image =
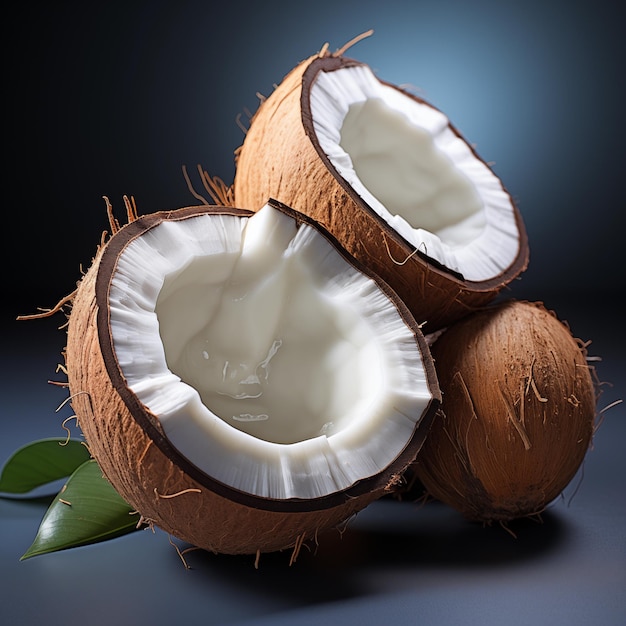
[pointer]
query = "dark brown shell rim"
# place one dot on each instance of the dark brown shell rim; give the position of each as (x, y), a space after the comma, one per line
(149, 423)
(332, 63)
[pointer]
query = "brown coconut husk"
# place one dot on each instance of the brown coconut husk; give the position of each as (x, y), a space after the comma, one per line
(517, 416)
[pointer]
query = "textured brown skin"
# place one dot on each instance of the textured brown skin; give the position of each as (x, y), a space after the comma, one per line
(281, 158)
(134, 455)
(502, 448)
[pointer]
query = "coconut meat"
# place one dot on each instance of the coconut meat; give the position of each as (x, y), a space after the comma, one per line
(271, 362)
(404, 160)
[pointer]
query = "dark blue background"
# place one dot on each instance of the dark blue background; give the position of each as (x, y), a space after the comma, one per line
(114, 98)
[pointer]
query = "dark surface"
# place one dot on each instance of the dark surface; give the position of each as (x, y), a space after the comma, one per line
(115, 99)
(396, 563)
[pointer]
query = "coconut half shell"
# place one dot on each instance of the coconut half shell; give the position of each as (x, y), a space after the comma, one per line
(392, 179)
(133, 408)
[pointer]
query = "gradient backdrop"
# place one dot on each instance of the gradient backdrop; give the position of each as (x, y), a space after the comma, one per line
(114, 98)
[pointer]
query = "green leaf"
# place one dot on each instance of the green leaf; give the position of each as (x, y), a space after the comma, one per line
(87, 510)
(41, 462)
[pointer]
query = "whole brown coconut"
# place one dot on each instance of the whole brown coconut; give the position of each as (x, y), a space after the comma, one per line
(174, 308)
(388, 175)
(517, 415)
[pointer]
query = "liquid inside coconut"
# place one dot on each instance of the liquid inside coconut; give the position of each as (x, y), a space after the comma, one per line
(266, 348)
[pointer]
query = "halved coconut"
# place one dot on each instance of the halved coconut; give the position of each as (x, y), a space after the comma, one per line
(243, 382)
(392, 179)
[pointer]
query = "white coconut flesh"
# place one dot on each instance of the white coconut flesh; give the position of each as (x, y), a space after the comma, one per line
(406, 162)
(272, 363)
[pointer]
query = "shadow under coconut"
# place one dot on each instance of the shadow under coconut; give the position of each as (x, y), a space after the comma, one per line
(432, 535)
(387, 535)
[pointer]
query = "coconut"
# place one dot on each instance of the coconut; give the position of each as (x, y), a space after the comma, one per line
(517, 414)
(391, 178)
(242, 382)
